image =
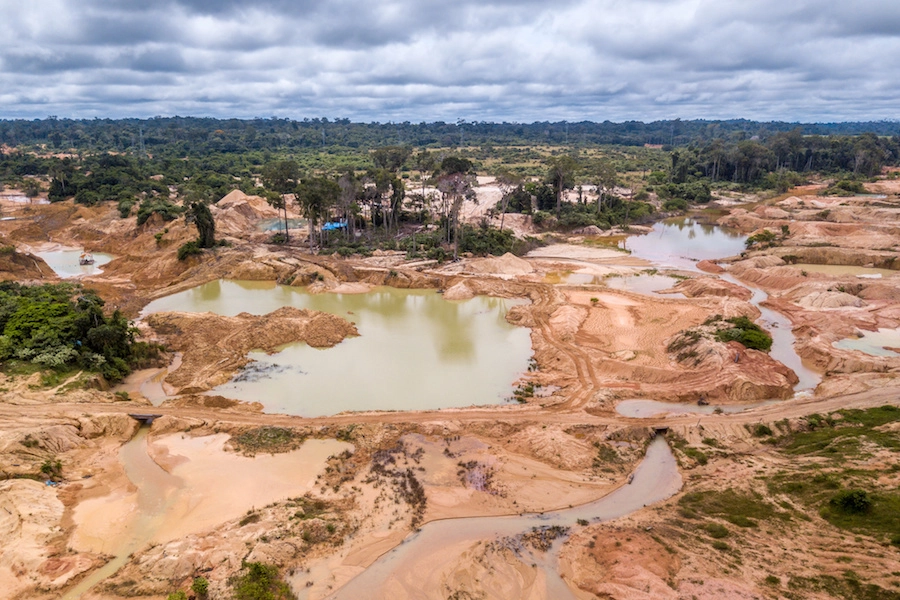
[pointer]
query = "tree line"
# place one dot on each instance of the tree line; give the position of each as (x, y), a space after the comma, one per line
(197, 136)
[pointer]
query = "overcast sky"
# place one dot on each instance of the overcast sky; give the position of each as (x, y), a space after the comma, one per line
(428, 60)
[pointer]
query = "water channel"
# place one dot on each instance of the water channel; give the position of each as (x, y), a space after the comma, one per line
(655, 479)
(682, 242)
(415, 350)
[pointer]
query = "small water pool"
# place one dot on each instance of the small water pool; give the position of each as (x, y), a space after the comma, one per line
(416, 351)
(681, 242)
(644, 284)
(641, 409)
(276, 225)
(64, 262)
(883, 342)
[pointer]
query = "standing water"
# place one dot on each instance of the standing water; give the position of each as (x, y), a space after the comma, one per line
(680, 243)
(65, 262)
(415, 351)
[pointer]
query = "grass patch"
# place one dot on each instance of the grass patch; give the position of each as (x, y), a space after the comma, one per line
(842, 438)
(846, 588)
(739, 508)
(272, 440)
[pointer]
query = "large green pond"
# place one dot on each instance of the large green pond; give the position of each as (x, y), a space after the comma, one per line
(415, 351)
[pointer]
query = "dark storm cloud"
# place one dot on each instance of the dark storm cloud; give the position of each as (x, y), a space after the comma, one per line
(430, 59)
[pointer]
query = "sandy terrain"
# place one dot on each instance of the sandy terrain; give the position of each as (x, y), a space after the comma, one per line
(324, 520)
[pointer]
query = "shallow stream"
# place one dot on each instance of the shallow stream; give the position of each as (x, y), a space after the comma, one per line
(655, 479)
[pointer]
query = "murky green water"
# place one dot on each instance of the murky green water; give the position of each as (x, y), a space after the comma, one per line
(65, 262)
(415, 351)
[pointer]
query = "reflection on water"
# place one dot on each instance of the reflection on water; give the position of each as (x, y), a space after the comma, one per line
(874, 343)
(65, 262)
(680, 243)
(415, 349)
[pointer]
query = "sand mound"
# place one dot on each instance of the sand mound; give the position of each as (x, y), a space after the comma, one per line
(621, 564)
(709, 267)
(459, 291)
(29, 521)
(770, 212)
(238, 213)
(508, 264)
(830, 300)
(215, 347)
(712, 286)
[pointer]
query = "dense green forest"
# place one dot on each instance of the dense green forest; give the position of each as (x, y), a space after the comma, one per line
(201, 136)
(63, 327)
(372, 179)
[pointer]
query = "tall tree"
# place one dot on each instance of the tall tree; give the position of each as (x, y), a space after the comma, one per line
(199, 214)
(282, 177)
(316, 195)
(603, 175)
(391, 158)
(561, 175)
(457, 183)
(508, 182)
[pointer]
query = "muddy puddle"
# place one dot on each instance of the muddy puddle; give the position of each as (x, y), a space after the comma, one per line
(415, 350)
(644, 283)
(192, 496)
(642, 409)
(409, 568)
(640, 283)
(682, 242)
(64, 262)
(863, 272)
(884, 342)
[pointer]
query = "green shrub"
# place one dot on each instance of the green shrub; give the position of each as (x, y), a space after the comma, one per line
(151, 206)
(852, 502)
(717, 531)
(187, 249)
(125, 207)
(200, 586)
(762, 430)
(259, 581)
(746, 333)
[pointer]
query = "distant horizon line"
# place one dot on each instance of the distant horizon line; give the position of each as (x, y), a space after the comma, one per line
(347, 120)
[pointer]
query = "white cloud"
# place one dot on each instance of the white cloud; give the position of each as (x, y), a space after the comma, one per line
(430, 59)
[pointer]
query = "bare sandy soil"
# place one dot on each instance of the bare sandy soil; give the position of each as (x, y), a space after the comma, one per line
(323, 515)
